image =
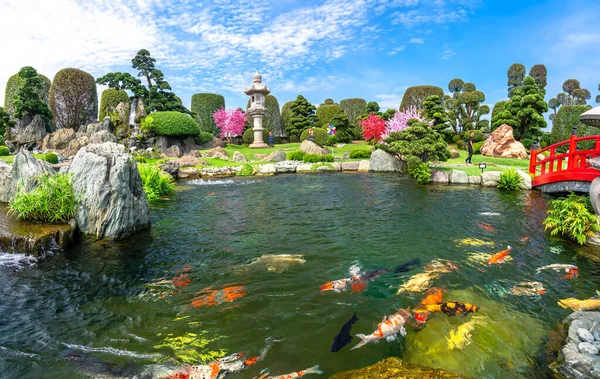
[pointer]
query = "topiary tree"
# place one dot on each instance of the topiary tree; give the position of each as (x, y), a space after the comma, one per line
(124, 81)
(465, 108)
(598, 96)
(301, 118)
(342, 126)
(27, 102)
(12, 89)
(499, 107)
(539, 73)
(328, 101)
(171, 123)
(515, 74)
(111, 98)
(418, 141)
(568, 117)
(272, 117)
(353, 108)
(319, 136)
(434, 111)
(554, 105)
(286, 112)
(73, 99)
(203, 107)
(326, 112)
(416, 95)
(6, 122)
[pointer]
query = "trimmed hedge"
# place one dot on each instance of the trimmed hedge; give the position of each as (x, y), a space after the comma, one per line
(296, 156)
(477, 147)
(170, 124)
(203, 138)
(326, 112)
(360, 154)
(4, 151)
(248, 136)
(203, 107)
(12, 89)
(319, 136)
(416, 95)
(286, 113)
(314, 158)
(111, 98)
(51, 158)
(73, 99)
(353, 108)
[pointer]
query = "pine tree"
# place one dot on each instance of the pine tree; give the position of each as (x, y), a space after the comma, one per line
(302, 116)
(28, 102)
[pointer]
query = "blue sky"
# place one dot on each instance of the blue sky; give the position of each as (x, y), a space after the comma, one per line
(337, 49)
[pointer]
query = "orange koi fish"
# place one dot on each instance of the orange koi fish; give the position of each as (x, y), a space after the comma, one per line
(453, 308)
(434, 297)
(524, 239)
(216, 297)
(499, 257)
(181, 281)
(297, 374)
(387, 328)
(486, 226)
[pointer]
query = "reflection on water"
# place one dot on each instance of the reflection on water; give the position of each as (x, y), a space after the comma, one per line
(131, 303)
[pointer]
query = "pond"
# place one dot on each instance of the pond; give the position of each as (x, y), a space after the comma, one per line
(119, 302)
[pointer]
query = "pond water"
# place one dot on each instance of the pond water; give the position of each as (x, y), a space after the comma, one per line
(116, 300)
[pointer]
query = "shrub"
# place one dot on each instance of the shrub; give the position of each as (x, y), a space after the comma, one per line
(12, 89)
(477, 136)
(203, 107)
(326, 113)
(170, 124)
(286, 113)
(477, 147)
(73, 99)
(331, 141)
(248, 136)
(566, 118)
(4, 151)
(111, 98)
(460, 144)
(456, 137)
(51, 158)
(314, 167)
(51, 201)
(155, 182)
(319, 136)
(527, 143)
(510, 180)
(139, 159)
(572, 217)
(314, 158)
(296, 155)
(353, 108)
(203, 137)
(2, 141)
(360, 154)
(416, 95)
(247, 170)
(420, 172)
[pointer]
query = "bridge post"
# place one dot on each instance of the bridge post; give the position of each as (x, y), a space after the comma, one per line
(572, 149)
(532, 160)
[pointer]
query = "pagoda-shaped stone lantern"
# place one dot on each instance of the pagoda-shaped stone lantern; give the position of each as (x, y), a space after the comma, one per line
(258, 93)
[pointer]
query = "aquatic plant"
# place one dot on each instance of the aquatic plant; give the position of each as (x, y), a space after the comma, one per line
(420, 172)
(246, 170)
(52, 200)
(191, 347)
(510, 180)
(572, 217)
(155, 182)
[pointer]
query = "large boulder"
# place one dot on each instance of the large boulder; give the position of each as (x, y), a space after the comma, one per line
(238, 157)
(386, 162)
(526, 180)
(95, 127)
(490, 178)
(102, 136)
(502, 144)
(458, 177)
(75, 145)
(214, 142)
(309, 147)
(24, 168)
(266, 170)
(59, 140)
(276, 156)
(217, 152)
(286, 167)
(439, 177)
(112, 203)
(350, 166)
(188, 161)
(123, 111)
(170, 146)
(364, 165)
(189, 145)
(170, 167)
(595, 195)
(34, 132)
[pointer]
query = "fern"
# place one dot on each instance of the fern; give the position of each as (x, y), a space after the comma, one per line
(572, 217)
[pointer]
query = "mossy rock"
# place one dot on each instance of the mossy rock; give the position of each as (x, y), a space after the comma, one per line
(396, 368)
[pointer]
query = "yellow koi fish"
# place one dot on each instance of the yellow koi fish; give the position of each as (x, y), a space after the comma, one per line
(580, 305)
(461, 338)
(474, 242)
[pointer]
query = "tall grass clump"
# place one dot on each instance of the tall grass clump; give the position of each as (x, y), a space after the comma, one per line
(53, 200)
(572, 217)
(156, 183)
(510, 180)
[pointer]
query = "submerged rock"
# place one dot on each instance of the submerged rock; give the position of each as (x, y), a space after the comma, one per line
(113, 203)
(395, 368)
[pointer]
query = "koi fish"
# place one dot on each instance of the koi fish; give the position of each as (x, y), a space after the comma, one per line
(216, 297)
(580, 305)
(499, 257)
(441, 265)
(453, 308)
(528, 288)
(434, 297)
(405, 267)
(297, 374)
(387, 328)
(489, 214)
(571, 270)
(486, 226)
(181, 281)
(419, 282)
(524, 239)
(343, 338)
(461, 338)
(357, 280)
(474, 242)
(339, 285)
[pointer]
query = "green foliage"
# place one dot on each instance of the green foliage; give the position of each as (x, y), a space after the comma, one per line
(123, 81)
(416, 95)
(170, 124)
(301, 118)
(360, 154)
(73, 99)
(28, 101)
(523, 111)
(572, 217)
(460, 144)
(203, 107)
(51, 158)
(477, 147)
(139, 159)
(203, 138)
(435, 111)
(510, 180)
(331, 141)
(272, 117)
(286, 113)
(247, 170)
(419, 140)
(343, 133)
(12, 89)
(313, 158)
(155, 182)
(248, 136)
(420, 172)
(566, 118)
(319, 136)
(465, 107)
(499, 107)
(53, 200)
(515, 74)
(314, 167)
(328, 101)
(6, 122)
(539, 73)
(477, 135)
(353, 108)
(326, 112)
(4, 151)
(296, 155)
(111, 97)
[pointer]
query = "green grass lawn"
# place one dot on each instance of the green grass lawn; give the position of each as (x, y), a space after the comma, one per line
(289, 147)
(493, 164)
(9, 158)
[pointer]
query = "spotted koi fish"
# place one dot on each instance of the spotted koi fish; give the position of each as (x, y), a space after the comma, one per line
(571, 270)
(580, 305)
(388, 328)
(434, 297)
(499, 257)
(528, 289)
(216, 297)
(453, 308)
(486, 226)
(297, 374)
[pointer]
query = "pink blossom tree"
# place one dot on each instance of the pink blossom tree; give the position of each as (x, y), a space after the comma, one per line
(230, 121)
(399, 122)
(373, 128)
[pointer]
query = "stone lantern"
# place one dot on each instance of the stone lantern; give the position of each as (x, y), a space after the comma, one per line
(591, 117)
(258, 93)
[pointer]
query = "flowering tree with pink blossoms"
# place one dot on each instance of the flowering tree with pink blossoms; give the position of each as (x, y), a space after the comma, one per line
(230, 121)
(373, 128)
(399, 122)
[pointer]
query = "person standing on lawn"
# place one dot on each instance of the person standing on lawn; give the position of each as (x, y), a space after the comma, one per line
(470, 147)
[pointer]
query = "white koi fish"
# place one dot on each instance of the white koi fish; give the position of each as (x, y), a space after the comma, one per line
(387, 328)
(292, 375)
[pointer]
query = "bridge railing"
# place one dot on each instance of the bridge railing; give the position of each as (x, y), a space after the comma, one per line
(569, 166)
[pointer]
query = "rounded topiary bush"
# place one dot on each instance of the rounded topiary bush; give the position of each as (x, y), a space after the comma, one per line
(477, 136)
(326, 113)
(174, 124)
(204, 137)
(296, 155)
(477, 147)
(203, 107)
(4, 151)
(460, 144)
(111, 98)
(319, 136)
(360, 154)
(73, 99)
(248, 136)
(51, 158)
(12, 89)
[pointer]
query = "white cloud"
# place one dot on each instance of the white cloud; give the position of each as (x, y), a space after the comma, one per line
(389, 100)
(416, 40)
(397, 50)
(448, 53)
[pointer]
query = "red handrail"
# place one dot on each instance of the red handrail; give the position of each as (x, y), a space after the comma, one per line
(569, 166)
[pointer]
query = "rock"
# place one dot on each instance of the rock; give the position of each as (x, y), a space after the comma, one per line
(303, 168)
(96, 127)
(189, 145)
(386, 162)
(350, 166)
(34, 132)
(195, 154)
(455, 154)
(170, 146)
(585, 335)
(11, 147)
(276, 156)
(217, 152)
(260, 156)
(458, 177)
(595, 195)
(174, 152)
(502, 144)
(140, 111)
(395, 368)
(24, 169)
(286, 167)
(65, 168)
(309, 147)
(113, 203)
(59, 140)
(596, 333)
(76, 145)
(188, 173)
(337, 166)
(218, 172)
(103, 136)
(188, 160)
(490, 178)
(439, 177)
(475, 179)
(526, 183)
(346, 155)
(239, 157)
(325, 168)
(6, 186)
(266, 169)
(214, 142)
(587, 348)
(364, 165)
(170, 167)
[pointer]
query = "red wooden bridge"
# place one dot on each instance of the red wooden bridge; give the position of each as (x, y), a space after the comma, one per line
(568, 171)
